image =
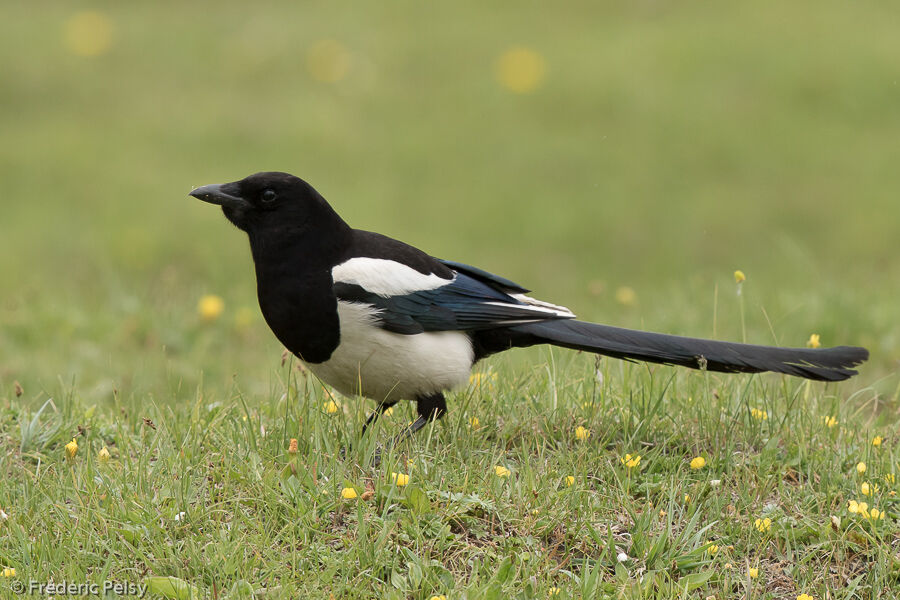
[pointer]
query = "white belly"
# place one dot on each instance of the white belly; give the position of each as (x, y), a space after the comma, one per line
(383, 365)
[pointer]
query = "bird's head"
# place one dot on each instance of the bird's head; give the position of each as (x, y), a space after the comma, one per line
(266, 203)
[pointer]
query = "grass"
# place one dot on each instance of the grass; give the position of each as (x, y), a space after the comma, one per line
(205, 490)
(666, 147)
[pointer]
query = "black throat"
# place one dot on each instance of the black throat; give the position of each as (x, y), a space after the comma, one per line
(294, 286)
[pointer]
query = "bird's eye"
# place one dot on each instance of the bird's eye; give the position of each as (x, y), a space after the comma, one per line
(268, 196)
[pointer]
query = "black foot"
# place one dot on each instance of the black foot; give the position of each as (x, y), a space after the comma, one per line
(375, 414)
(430, 408)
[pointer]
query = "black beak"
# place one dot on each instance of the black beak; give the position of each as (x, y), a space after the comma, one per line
(216, 194)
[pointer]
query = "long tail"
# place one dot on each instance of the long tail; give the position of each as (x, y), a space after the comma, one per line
(825, 364)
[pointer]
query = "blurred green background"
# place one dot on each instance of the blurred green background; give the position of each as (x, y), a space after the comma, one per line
(584, 150)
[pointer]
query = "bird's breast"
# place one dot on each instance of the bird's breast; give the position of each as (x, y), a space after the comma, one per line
(304, 320)
(382, 365)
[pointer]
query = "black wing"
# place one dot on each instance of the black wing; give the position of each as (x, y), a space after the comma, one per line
(466, 303)
(492, 280)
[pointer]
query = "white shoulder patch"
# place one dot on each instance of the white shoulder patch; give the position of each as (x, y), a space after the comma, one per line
(385, 277)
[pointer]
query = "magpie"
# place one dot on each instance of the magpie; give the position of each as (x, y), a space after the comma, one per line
(374, 317)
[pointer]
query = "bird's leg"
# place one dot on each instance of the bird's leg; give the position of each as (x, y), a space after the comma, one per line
(430, 408)
(382, 406)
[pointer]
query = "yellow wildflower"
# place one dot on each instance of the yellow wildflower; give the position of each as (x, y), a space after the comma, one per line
(859, 508)
(570, 480)
(438, 597)
(876, 441)
(501, 471)
(860, 467)
(759, 414)
(763, 525)
(753, 572)
(400, 478)
(581, 433)
(890, 478)
(829, 421)
(687, 498)
(292, 446)
(626, 296)
(88, 33)
(328, 61)
(804, 597)
(813, 341)
(210, 307)
(330, 407)
(739, 276)
(631, 461)
(348, 493)
(876, 514)
(103, 455)
(698, 462)
(712, 549)
(520, 70)
(868, 489)
(485, 380)
(71, 449)
(554, 591)
(8, 572)
(474, 422)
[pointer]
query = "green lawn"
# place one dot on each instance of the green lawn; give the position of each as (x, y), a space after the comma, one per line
(664, 147)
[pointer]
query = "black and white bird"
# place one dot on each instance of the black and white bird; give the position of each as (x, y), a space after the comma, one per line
(374, 317)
